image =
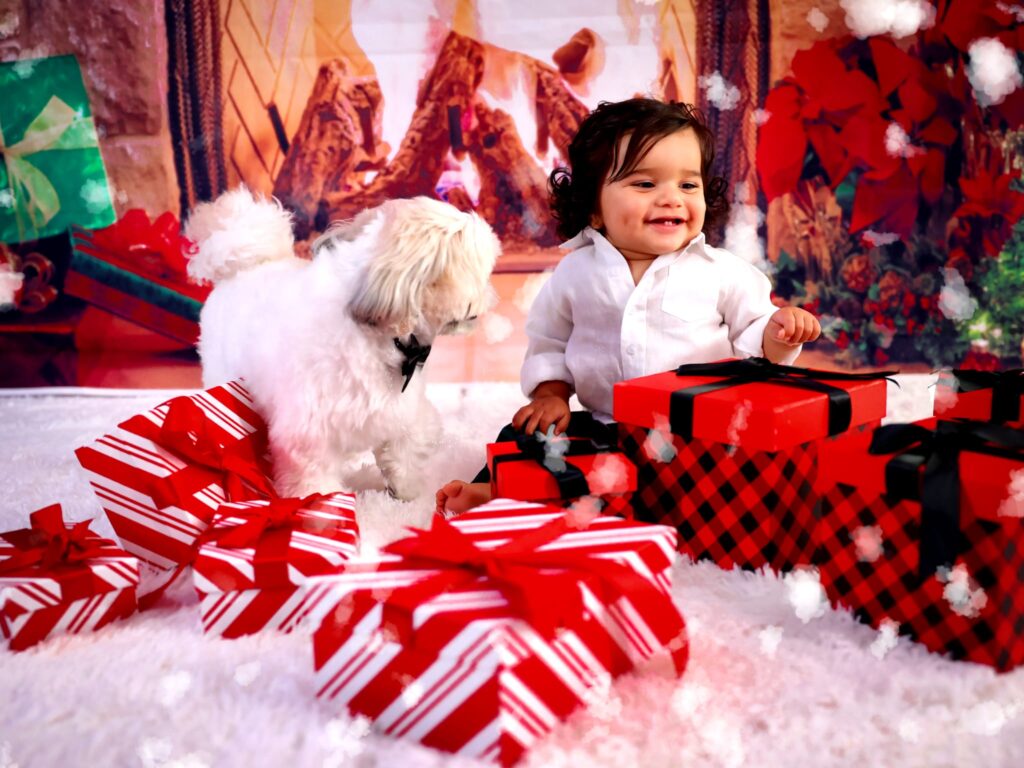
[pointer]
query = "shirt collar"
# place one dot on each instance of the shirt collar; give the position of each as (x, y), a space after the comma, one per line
(590, 236)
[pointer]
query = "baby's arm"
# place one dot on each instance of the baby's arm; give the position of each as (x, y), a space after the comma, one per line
(754, 322)
(545, 376)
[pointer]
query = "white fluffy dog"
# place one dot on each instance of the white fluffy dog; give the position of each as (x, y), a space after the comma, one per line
(330, 347)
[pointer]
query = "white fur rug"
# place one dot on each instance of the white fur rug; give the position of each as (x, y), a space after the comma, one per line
(774, 678)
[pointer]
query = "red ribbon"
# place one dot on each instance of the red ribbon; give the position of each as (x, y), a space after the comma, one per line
(267, 529)
(50, 543)
(191, 436)
(522, 574)
(157, 247)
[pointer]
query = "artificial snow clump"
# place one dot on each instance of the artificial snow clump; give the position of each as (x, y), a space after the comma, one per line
(609, 472)
(867, 540)
(955, 300)
(496, 327)
(528, 291)
(1013, 504)
(345, 741)
(817, 19)
(738, 423)
(245, 674)
(897, 142)
(96, 195)
(806, 594)
(898, 18)
(658, 445)
(741, 235)
(720, 92)
(993, 71)
(583, 512)
(874, 239)
(962, 593)
(10, 284)
(888, 634)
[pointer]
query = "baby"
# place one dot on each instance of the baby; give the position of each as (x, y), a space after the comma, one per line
(640, 291)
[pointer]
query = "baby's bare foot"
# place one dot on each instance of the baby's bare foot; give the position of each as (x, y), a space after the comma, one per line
(458, 496)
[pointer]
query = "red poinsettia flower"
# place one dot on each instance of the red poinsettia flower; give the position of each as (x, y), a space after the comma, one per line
(901, 150)
(961, 23)
(990, 197)
(811, 107)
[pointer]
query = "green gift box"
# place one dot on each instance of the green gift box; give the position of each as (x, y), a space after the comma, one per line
(51, 170)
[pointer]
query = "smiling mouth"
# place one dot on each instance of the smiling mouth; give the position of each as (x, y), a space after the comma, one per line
(669, 220)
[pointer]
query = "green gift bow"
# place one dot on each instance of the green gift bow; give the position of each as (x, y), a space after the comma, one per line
(57, 126)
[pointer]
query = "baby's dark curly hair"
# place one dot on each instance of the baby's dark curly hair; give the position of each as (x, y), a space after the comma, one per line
(575, 190)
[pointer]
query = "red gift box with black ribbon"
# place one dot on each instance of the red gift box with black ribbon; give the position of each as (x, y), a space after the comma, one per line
(58, 578)
(479, 635)
(925, 527)
(562, 469)
(996, 396)
(727, 453)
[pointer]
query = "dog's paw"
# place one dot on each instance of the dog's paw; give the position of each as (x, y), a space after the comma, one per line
(404, 491)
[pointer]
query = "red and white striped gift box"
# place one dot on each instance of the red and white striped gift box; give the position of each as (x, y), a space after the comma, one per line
(160, 482)
(257, 581)
(39, 599)
(471, 669)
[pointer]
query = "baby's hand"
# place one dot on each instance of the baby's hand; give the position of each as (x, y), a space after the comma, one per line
(792, 326)
(540, 413)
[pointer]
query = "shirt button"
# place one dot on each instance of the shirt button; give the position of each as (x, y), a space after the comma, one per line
(631, 349)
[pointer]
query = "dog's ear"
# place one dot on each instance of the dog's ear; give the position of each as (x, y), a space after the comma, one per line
(413, 248)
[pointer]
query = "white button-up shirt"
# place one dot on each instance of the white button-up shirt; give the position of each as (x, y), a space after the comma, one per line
(591, 327)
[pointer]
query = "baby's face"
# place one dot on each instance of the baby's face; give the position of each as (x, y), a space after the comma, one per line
(660, 206)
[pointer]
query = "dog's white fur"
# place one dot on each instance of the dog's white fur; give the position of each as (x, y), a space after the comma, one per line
(314, 339)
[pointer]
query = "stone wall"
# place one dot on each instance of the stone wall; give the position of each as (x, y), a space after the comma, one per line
(122, 50)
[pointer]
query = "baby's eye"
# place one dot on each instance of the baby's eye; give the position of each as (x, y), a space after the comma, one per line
(644, 184)
(690, 185)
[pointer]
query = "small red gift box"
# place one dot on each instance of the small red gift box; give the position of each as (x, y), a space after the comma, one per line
(256, 556)
(58, 579)
(925, 527)
(136, 270)
(477, 636)
(561, 469)
(161, 475)
(981, 395)
(727, 453)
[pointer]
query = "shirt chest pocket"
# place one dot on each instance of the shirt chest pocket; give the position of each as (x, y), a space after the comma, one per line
(691, 294)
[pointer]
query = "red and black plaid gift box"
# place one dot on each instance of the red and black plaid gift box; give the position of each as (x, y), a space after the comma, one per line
(561, 470)
(727, 453)
(925, 527)
(981, 395)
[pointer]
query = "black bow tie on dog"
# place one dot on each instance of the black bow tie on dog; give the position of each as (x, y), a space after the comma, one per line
(415, 356)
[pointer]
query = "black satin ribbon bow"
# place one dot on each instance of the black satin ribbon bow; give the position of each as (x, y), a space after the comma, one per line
(415, 356)
(1007, 390)
(758, 369)
(572, 483)
(938, 487)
